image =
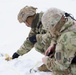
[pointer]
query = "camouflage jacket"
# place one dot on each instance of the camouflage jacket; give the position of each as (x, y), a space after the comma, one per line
(65, 51)
(36, 29)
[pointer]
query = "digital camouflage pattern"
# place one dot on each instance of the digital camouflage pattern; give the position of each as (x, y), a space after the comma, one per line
(42, 37)
(65, 50)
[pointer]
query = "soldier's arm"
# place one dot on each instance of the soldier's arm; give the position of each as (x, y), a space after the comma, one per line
(56, 64)
(26, 46)
(44, 38)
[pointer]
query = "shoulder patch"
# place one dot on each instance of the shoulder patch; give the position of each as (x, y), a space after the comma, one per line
(58, 56)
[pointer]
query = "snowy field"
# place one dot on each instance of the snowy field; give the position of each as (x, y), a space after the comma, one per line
(23, 65)
(13, 34)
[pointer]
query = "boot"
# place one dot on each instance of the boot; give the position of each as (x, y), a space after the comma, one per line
(43, 68)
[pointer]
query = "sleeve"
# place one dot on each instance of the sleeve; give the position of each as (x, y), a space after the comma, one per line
(44, 38)
(27, 45)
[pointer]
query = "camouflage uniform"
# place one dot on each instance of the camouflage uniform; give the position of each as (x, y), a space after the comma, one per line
(36, 29)
(65, 39)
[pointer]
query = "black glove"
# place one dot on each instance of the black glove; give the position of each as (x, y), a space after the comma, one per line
(33, 39)
(74, 60)
(15, 55)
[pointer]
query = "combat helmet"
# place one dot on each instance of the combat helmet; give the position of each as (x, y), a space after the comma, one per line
(26, 12)
(51, 18)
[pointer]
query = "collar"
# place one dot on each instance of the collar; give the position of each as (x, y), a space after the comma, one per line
(35, 21)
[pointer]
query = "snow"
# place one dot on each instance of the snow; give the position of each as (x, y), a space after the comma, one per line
(13, 34)
(23, 65)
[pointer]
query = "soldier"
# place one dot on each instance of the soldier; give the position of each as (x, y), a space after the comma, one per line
(60, 57)
(37, 37)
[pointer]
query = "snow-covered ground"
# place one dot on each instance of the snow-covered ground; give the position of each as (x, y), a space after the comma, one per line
(24, 65)
(13, 34)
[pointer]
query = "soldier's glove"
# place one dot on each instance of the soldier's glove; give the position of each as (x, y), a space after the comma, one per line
(15, 55)
(33, 39)
(74, 60)
(50, 51)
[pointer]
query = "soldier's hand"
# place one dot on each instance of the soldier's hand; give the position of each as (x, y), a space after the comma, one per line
(15, 55)
(7, 57)
(50, 51)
